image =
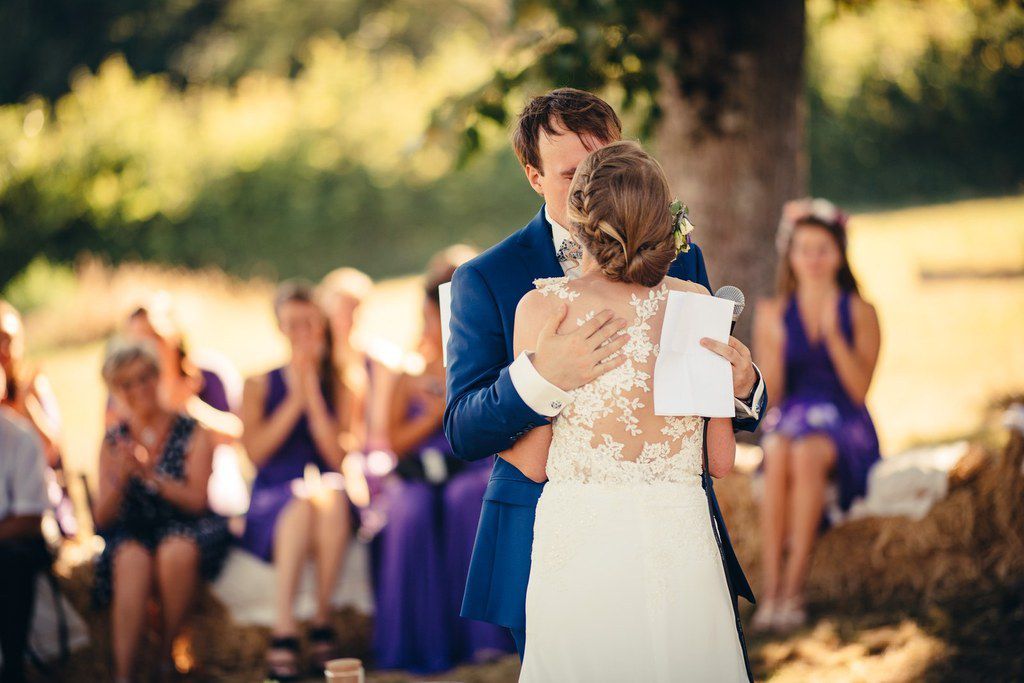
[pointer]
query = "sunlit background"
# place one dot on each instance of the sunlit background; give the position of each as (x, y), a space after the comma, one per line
(213, 148)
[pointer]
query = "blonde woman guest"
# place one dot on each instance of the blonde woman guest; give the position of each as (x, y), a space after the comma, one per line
(161, 538)
(817, 343)
(297, 417)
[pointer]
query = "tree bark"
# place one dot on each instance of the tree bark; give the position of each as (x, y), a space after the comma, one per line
(731, 136)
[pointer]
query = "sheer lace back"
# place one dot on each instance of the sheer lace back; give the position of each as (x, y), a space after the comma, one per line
(609, 433)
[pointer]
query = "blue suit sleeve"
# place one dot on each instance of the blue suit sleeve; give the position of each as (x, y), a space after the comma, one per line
(740, 424)
(484, 413)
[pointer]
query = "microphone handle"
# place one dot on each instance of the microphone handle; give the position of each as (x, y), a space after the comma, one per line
(732, 328)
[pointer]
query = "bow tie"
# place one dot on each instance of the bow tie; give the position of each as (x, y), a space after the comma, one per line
(570, 250)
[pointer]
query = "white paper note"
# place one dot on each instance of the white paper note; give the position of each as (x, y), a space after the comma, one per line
(689, 379)
(444, 293)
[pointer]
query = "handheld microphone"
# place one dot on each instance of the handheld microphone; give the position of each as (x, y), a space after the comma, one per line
(733, 294)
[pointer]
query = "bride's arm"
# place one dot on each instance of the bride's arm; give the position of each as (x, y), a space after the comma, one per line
(530, 453)
(721, 446)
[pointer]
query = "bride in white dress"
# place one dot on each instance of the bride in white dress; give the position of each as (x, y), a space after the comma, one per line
(626, 582)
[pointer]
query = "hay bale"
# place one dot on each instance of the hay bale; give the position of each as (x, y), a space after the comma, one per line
(213, 646)
(970, 542)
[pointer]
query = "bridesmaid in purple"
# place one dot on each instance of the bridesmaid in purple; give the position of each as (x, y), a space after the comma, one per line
(432, 507)
(296, 416)
(817, 345)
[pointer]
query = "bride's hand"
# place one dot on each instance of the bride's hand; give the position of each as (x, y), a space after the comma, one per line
(743, 374)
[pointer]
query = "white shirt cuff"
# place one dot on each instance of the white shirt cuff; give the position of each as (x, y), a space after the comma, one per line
(540, 395)
(742, 409)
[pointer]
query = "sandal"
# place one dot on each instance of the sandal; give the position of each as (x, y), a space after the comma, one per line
(323, 646)
(790, 616)
(764, 617)
(283, 668)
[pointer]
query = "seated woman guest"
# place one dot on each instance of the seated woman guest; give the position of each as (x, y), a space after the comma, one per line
(296, 418)
(432, 508)
(817, 345)
(161, 539)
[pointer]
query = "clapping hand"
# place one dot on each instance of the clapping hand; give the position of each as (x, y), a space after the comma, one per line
(131, 459)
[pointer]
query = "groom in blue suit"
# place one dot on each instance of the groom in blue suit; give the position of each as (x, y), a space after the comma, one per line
(494, 398)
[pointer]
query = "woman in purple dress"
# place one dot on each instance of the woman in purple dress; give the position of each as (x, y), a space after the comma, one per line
(817, 345)
(432, 507)
(296, 418)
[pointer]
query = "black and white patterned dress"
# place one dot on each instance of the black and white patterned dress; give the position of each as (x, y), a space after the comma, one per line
(148, 519)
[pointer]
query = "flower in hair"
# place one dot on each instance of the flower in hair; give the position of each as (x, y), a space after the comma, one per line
(681, 226)
(797, 210)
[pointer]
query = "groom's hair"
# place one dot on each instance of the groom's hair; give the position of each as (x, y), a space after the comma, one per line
(564, 109)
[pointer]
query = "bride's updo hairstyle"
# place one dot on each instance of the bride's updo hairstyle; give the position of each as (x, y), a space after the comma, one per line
(619, 208)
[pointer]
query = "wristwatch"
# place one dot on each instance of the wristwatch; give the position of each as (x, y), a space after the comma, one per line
(749, 399)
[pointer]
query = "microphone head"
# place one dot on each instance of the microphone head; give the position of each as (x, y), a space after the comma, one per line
(734, 295)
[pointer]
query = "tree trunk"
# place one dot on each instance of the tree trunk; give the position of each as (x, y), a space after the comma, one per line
(731, 134)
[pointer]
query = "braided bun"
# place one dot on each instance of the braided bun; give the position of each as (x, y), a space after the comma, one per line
(619, 206)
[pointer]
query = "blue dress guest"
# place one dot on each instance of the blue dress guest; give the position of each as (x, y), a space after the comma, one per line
(432, 507)
(160, 536)
(818, 344)
(295, 419)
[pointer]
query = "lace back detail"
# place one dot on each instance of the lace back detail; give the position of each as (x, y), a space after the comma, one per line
(609, 432)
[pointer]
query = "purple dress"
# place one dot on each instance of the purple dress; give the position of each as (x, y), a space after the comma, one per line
(272, 489)
(214, 393)
(411, 628)
(816, 403)
(422, 558)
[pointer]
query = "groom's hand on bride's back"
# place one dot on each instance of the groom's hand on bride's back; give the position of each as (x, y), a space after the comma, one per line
(571, 359)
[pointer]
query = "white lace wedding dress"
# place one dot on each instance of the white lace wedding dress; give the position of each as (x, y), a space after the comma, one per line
(626, 583)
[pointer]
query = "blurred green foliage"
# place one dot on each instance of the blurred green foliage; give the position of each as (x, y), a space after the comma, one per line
(915, 101)
(287, 138)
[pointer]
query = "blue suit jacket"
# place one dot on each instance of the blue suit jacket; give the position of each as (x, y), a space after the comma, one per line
(485, 415)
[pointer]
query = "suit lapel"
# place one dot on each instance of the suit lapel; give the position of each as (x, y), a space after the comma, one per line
(537, 251)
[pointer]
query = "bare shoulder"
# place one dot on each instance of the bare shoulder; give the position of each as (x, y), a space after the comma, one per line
(769, 307)
(862, 310)
(536, 305)
(677, 285)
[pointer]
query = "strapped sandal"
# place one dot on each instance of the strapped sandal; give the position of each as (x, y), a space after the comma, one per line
(324, 646)
(283, 669)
